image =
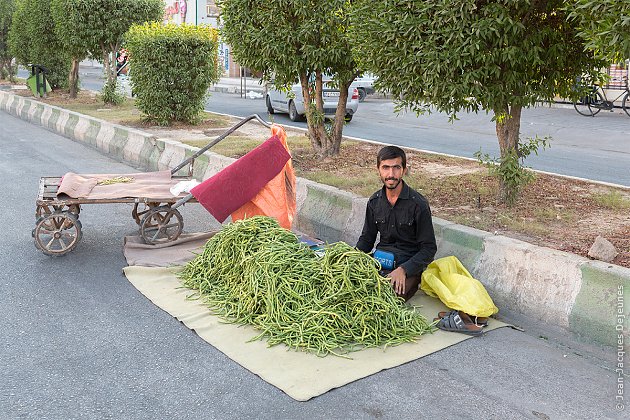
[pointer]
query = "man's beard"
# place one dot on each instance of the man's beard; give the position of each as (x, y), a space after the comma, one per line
(391, 179)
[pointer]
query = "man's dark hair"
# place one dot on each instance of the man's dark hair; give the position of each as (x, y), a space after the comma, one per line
(391, 152)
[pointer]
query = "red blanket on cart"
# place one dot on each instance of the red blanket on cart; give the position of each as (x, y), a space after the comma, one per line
(237, 184)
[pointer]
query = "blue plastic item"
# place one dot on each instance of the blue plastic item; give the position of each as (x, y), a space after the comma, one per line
(385, 258)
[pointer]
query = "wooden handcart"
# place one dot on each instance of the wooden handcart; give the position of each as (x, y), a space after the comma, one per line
(58, 228)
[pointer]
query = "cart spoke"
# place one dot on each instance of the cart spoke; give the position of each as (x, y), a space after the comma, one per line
(157, 234)
(57, 222)
(151, 229)
(45, 230)
(70, 235)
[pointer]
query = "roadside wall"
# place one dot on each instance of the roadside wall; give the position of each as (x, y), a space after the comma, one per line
(583, 296)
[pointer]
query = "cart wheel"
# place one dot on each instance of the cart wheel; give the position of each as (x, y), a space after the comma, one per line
(57, 234)
(161, 224)
(49, 225)
(138, 214)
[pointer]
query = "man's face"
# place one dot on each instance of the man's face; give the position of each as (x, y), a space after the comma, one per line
(391, 172)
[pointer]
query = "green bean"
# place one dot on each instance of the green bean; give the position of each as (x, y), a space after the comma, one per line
(255, 272)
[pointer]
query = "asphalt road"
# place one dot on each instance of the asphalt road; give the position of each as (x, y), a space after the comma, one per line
(78, 341)
(596, 148)
(592, 148)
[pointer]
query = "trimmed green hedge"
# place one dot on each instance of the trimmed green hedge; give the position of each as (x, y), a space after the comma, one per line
(171, 68)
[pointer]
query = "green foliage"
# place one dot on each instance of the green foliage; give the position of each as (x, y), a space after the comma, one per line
(172, 67)
(110, 94)
(71, 25)
(104, 22)
(605, 25)
(6, 58)
(510, 169)
(32, 40)
(97, 27)
(281, 39)
(466, 55)
(6, 10)
(612, 200)
(291, 41)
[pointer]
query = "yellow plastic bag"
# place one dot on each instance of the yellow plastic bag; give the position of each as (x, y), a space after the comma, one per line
(448, 280)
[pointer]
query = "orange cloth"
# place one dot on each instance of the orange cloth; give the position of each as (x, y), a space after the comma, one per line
(228, 190)
(277, 198)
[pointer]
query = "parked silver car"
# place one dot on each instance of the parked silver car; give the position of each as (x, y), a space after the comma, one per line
(292, 102)
(365, 84)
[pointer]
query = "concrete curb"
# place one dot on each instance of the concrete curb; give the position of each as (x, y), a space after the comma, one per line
(584, 297)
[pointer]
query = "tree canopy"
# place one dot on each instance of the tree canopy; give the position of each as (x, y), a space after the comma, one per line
(32, 40)
(605, 25)
(97, 26)
(6, 12)
(468, 55)
(71, 28)
(291, 41)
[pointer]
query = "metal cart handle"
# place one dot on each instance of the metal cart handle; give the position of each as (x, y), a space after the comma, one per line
(218, 139)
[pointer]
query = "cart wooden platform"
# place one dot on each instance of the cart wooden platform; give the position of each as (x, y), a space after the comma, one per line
(58, 229)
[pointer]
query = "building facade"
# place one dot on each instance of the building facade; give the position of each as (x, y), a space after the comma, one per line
(202, 12)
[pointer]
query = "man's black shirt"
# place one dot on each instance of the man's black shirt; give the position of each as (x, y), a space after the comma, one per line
(406, 229)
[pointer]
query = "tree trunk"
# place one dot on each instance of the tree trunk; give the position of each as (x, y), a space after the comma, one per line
(336, 133)
(73, 78)
(13, 69)
(109, 64)
(316, 130)
(7, 67)
(325, 143)
(508, 131)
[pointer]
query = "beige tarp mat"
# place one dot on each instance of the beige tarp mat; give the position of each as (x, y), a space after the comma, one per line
(301, 375)
(155, 185)
(177, 252)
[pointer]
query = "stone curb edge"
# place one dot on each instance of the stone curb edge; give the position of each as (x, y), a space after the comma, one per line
(582, 296)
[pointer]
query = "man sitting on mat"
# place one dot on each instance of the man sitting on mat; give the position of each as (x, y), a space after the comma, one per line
(403, 218)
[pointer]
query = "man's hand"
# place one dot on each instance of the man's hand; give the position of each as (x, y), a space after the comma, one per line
(398, 279)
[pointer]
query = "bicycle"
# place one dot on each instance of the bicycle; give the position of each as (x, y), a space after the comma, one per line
(596, 100)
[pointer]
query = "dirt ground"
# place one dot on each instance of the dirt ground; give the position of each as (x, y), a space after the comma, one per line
(555, 212)
(552, 211)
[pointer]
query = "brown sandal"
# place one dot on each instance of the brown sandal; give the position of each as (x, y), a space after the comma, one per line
(455, 323)
(477, 320)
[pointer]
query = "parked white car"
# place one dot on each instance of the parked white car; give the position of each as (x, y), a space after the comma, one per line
(365, 84)
(293, 103)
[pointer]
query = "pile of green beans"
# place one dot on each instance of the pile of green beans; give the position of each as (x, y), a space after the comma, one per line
(255, 272)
